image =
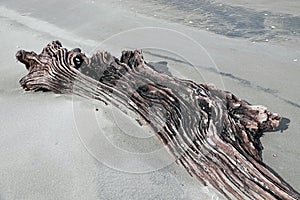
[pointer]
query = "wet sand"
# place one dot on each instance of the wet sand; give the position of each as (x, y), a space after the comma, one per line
(42, 153)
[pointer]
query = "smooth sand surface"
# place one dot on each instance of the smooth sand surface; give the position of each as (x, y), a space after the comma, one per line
(43, 152)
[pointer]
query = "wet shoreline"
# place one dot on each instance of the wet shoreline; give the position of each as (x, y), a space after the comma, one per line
(229, 20)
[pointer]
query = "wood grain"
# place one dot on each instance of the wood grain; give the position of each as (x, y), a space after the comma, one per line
(212, 133)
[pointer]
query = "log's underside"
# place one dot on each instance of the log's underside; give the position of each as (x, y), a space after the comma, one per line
(213, 134)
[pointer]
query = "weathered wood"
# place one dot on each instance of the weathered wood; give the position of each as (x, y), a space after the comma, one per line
(213, 134)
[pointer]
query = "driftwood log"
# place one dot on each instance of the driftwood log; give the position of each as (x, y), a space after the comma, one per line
(213, 134)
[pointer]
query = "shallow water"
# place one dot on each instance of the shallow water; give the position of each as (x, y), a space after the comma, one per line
(229, 20)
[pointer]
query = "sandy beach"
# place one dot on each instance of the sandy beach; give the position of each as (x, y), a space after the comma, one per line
(46, 151)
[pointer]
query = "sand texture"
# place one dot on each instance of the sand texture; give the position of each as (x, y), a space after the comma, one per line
(44, 152)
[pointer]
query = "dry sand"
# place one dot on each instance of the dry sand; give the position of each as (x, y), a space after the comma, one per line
(42, 155)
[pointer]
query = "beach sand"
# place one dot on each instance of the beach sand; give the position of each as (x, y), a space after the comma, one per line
(45, 151)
